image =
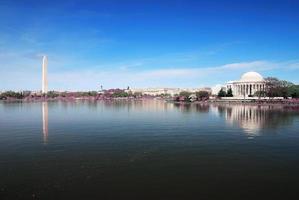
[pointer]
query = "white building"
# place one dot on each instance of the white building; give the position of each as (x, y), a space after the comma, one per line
(167, 91)
(157, 91)
(249, 83)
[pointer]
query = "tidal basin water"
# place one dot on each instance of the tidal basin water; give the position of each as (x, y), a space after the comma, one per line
(147, 150)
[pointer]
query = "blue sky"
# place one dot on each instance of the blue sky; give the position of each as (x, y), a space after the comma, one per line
(146, 43)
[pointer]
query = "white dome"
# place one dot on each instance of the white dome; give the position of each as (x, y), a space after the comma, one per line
(251, 77)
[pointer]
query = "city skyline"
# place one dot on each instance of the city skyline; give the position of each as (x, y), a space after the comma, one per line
(186, 44)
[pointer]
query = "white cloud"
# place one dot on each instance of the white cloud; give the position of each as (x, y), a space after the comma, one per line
(90, 78)
(294, 65)
(197, 72)
(183, 77)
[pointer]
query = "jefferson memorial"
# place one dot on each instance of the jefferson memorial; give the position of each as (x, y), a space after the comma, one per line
(249, 83)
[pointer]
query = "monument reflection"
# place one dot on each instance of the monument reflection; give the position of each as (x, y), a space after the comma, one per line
(45, 122)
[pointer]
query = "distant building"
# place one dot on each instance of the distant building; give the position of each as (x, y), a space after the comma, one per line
(157, 91)
(167, 91)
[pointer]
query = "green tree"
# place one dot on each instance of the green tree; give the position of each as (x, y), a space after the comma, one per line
(260, 94)
(92, 93)
(229, 93)
(12, 94)
(185, 94)
(202, 95)
(63, 94)
(165, 95)
(221, 93)
(120, 94)
(293, 91)
(277, 88)
(52, 94)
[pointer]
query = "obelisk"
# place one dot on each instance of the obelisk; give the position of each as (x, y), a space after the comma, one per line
(44, 76)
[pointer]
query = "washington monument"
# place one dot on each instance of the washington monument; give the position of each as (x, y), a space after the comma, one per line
(44, 76)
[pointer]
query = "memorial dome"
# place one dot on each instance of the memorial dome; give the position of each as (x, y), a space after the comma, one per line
(251, 77)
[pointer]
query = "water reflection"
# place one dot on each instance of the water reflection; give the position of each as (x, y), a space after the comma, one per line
(250, 119)
(150, 105)
(163, 144)
(253, 119)
(188, 107)
(45, 122)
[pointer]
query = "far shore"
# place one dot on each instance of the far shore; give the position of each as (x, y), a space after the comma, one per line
(209, 101)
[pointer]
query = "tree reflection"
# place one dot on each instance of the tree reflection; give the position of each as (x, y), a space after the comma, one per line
(202, 108)
(183, 107)
(189, 107)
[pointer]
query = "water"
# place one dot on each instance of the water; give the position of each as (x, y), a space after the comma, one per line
(147, 150)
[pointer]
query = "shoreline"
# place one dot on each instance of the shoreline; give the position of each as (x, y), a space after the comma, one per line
(218, 101)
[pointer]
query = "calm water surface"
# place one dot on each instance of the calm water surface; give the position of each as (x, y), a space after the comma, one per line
(147, 150)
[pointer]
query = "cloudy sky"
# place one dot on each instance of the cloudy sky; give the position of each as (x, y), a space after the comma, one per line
(146, 43)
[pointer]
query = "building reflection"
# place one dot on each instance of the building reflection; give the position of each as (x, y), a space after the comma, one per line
(45, 122)
(250, 119)
(254, 119)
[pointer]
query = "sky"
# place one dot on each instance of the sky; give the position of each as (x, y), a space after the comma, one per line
(146, 43)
